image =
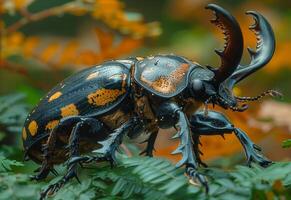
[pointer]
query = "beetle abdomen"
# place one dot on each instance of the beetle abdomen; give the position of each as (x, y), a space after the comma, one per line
(91, 93)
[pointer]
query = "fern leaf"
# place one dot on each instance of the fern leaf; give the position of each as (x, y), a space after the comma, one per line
(6, 164)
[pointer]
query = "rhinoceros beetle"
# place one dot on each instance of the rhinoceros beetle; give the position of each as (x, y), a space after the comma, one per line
(95, 108)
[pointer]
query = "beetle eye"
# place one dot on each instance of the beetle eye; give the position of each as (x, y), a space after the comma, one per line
(197, 85)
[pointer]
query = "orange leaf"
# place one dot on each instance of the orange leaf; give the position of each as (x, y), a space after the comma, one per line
(20, 3)
(15, 40)
(49, 52)
(29, 46)
(105, 39)
(69, 53)
(88, 57)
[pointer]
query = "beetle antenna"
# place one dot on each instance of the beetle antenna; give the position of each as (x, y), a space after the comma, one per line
(239, 109)
(272, 93)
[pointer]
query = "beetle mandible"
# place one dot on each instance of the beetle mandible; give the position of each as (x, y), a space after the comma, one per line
(95, 108)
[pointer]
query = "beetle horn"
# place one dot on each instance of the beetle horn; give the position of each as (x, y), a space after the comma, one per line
(233, 47)
(264, 49)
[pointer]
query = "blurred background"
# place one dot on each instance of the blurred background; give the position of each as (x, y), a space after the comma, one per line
(42, 42)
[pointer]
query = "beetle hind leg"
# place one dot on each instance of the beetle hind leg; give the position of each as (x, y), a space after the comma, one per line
(73, 148)
(46, 166)
(49, 147)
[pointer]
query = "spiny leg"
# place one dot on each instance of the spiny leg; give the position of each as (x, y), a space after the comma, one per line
(73, 147)
(196, 143)
(251, 149)
(216, 123)
(46, 167)
(71, 171)
(188, 155)
(110, 145)
(169, 115)
(49, 147)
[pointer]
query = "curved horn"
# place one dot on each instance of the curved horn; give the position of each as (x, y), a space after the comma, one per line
(233, 47)
(264, 49)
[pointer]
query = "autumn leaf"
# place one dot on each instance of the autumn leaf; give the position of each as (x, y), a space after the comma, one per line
(61, 51)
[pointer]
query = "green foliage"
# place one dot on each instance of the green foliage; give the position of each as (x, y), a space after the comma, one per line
(154, 178)
(286, 143)
(17, 186)
(12, 113)
(5, 164)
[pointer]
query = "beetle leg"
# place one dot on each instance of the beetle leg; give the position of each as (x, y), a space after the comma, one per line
(216, 123)
(72, 168)
(109, 146)
(188, 155)
(150, 144)
(49, 147)
(42, 172)
(251, 150)
(46, 166)
(196, 143)
(169, 115)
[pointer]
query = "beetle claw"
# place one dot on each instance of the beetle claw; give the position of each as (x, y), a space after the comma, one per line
(197, 178)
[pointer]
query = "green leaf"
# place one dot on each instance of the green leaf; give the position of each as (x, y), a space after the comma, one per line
(286, 143)
(6, 164)
(12, 113)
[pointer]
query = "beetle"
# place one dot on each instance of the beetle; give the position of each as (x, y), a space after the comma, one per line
(95, 108)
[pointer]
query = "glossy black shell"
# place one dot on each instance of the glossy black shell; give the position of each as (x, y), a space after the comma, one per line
(90, 92)
(163, 75)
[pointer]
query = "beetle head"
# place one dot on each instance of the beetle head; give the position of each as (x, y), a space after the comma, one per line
(207, 92)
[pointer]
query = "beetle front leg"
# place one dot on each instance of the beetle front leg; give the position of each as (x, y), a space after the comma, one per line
(170, 113)
(196, 143)
(216, 123)
(251, 150)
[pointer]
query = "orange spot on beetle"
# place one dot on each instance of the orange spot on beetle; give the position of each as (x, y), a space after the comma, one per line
(93, 75)
(104, 96)
(32, 127)
(52, 124)
(24, 134)
(55, 96)
(69, 110)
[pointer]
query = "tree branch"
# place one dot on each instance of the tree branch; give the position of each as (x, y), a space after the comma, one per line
(32, 17)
